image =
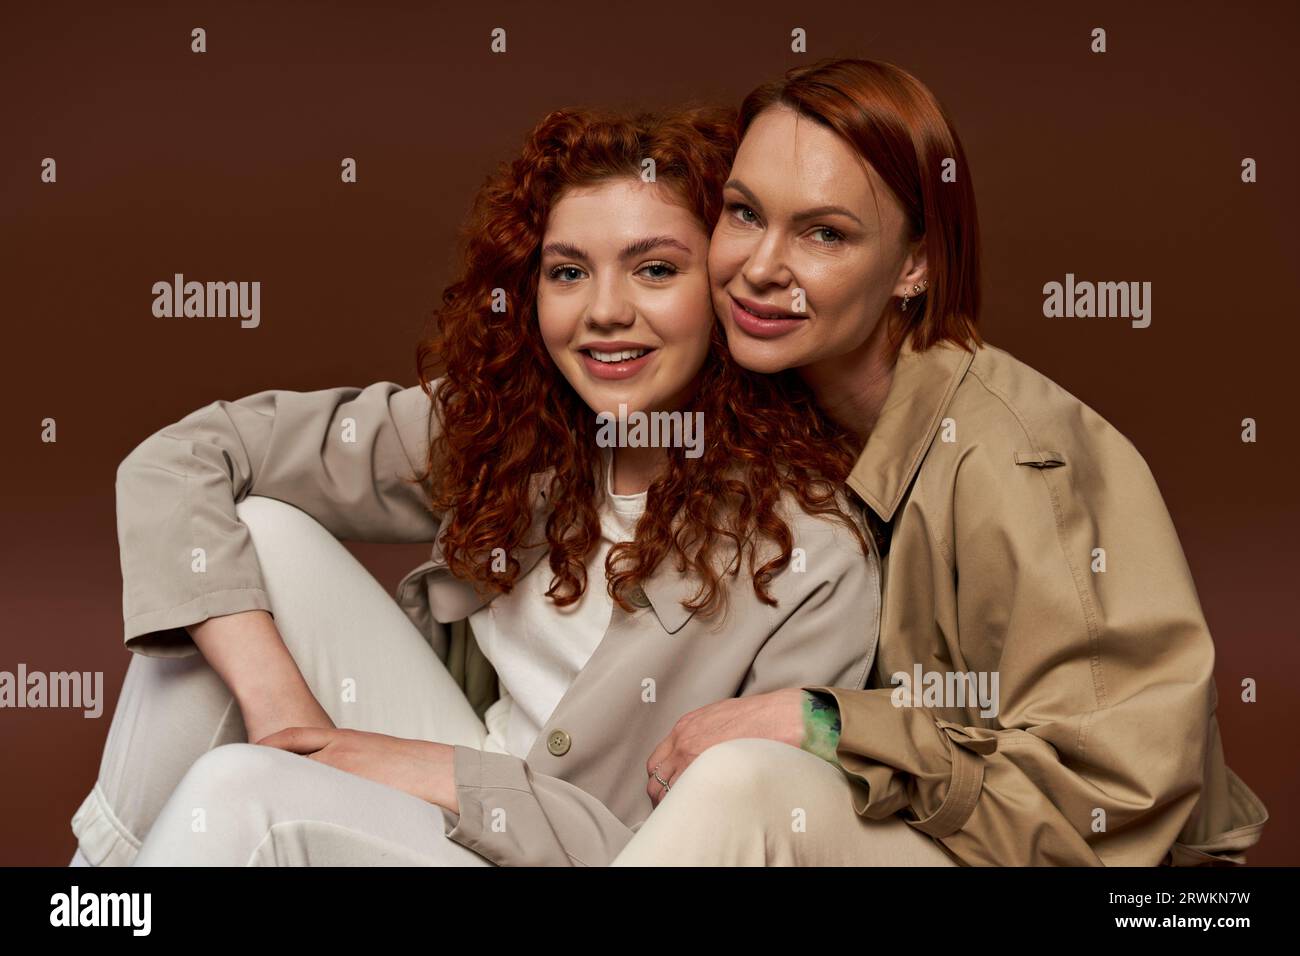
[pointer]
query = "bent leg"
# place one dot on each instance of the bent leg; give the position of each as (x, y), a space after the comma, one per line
(249, 805)
(752, 802)
(170, 711)
(364, 660)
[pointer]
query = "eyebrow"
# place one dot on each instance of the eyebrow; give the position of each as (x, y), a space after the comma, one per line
(815, 213)
(638, 248)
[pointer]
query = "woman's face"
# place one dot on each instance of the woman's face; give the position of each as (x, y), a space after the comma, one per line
(804, 261)
(623, 295)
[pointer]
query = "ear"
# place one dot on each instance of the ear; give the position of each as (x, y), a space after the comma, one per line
(913, 271)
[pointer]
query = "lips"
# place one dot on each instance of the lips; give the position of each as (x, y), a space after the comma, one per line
(615, 360)
(763, 321)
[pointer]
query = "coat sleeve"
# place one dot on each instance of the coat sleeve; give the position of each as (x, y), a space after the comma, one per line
(824, 628)
(831, 623)
(513, 816)
(347, 456)
(1096, 753)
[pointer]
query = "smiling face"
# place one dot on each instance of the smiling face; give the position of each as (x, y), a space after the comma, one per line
(623, 295)
(801, 222)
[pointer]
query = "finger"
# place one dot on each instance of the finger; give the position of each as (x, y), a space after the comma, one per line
(655, 788)
(660, 754)
(652, 790)
(680, 762)
(299, 740)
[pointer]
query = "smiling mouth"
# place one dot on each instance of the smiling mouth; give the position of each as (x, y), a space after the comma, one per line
(614, 358)
(766, 314)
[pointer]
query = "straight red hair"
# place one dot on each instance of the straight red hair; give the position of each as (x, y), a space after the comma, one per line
(893, 121)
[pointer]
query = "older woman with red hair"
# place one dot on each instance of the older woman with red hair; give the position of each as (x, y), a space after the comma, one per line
(1044, 691)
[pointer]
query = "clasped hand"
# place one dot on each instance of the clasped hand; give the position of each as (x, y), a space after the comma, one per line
(426, 769)
(422, 768)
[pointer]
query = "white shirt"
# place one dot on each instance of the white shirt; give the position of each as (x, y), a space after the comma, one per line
(537, 648)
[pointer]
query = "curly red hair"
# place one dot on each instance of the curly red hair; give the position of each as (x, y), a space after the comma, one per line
(507, 413)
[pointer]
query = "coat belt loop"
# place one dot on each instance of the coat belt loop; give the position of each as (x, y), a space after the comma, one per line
(964, 786)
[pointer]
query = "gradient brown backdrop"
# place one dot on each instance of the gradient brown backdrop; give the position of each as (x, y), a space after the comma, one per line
(1123, 166)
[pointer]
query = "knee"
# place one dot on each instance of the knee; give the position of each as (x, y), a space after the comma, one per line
(272, 519)
(738, 772)
(242, 765)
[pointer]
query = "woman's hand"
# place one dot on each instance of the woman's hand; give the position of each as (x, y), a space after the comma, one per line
(249, 655)
(421, 768)
(775, 716)
(300, 709)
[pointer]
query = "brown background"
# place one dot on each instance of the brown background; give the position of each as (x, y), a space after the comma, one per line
(225, 166)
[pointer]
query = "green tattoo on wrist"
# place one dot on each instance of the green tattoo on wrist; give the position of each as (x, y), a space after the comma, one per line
(821, 725)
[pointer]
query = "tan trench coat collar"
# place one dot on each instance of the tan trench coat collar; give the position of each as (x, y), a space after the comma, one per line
(1074, 743)
(922, 388)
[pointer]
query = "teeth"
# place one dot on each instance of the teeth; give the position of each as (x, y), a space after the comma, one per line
(622, 356)
(766, 315)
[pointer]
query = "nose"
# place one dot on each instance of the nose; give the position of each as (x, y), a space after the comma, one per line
(610, 305)
(766, 263)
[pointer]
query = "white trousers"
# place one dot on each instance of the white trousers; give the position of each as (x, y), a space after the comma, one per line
(752, 802)
(180, 785)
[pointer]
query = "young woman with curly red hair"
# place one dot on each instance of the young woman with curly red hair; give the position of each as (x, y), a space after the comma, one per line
(512, 723)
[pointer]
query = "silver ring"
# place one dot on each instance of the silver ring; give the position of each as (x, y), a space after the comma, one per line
(655, 773)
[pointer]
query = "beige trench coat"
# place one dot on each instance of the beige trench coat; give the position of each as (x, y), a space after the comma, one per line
(341, 455)
(1026, 536)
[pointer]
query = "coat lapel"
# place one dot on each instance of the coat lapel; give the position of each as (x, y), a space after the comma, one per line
(444, 598)
(923, 386)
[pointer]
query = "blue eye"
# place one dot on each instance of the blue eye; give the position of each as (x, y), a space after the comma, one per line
(830, 236)
(566, 272)
(659, 270)
(742, 212)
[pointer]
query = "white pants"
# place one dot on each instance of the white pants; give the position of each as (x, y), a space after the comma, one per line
(180, 785)
(752, 802)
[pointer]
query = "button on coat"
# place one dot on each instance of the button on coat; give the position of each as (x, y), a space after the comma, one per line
(558, 742)
(347, 456)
